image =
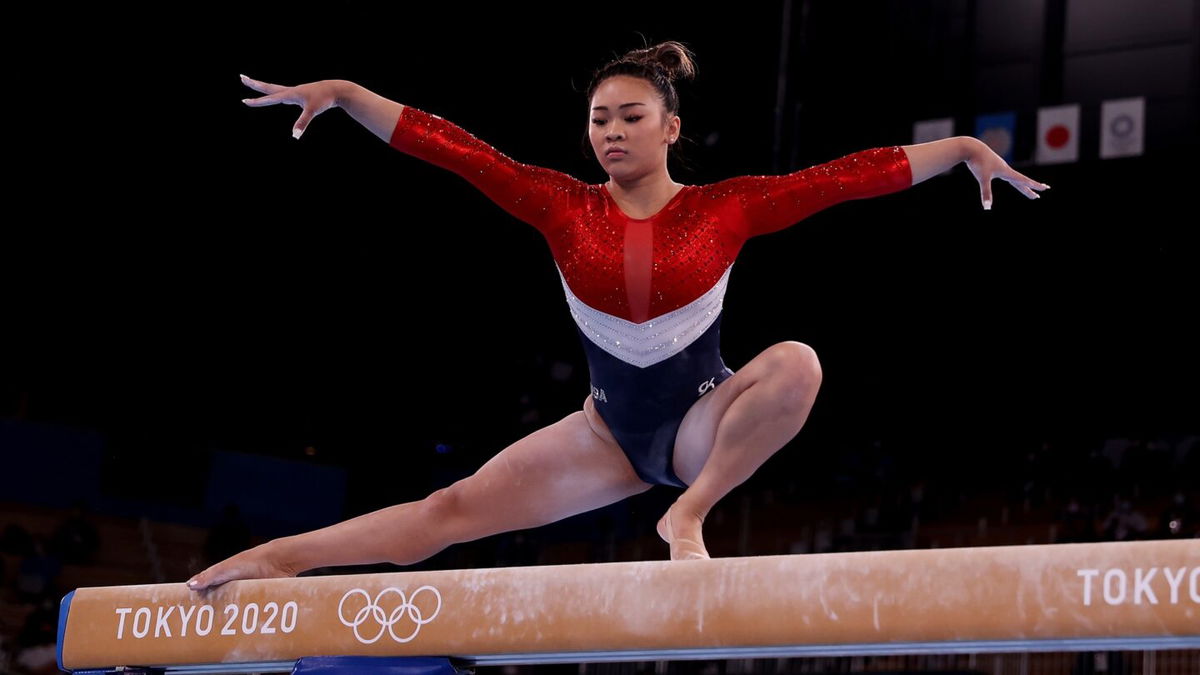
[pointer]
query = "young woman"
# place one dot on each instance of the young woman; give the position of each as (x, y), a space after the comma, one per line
(644, 262)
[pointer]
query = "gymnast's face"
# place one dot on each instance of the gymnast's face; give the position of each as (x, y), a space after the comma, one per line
(626, 112)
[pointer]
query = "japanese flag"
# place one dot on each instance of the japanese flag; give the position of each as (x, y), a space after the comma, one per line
(1058, 135)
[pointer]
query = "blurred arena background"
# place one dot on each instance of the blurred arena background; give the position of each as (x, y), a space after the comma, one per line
(215, 335)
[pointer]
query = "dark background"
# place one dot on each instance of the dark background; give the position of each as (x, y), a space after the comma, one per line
(181, 275)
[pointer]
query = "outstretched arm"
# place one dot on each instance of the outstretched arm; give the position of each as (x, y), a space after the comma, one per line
(771, 203)
(930, 159)
(369, 109)
(532, 194)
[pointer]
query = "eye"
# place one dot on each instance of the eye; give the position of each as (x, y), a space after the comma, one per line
(631, 118)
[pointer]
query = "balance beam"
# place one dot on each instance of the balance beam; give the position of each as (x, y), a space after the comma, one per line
(1065, 597)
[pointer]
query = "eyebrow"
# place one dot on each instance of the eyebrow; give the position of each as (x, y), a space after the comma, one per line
(623, 105)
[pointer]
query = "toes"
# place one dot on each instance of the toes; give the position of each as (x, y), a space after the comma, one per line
(691, 550)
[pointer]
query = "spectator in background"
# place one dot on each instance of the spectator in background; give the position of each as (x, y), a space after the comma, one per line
(1033, 475)
(1178, 520)
(37, 650)
(915, 505)
(228, 537)
(1132, 467)
(16, 540)
(823, 538)
(76, 540)
(1124, 523)
(1187, 457)
(1097, 476)
(517, 549)
(1077, 523)
(7, 654)
(36, 573)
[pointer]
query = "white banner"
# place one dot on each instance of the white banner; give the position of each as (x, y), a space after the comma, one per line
(1122, 127)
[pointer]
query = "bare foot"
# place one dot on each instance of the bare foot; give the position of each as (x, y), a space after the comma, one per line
(681, 530)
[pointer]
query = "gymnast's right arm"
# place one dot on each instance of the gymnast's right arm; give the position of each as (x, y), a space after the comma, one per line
(533, 194)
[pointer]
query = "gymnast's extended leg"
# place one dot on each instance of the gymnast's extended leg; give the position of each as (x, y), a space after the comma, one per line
(569, 467)
(728, 434)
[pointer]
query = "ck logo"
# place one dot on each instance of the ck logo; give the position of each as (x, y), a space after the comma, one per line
(705, 386)
(598, 394)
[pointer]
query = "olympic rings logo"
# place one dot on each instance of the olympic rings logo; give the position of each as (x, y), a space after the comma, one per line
(386, 621)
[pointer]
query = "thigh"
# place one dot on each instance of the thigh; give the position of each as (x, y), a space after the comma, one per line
(698, 430)
(561, 470)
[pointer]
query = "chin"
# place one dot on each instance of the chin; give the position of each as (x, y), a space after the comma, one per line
(617, 170)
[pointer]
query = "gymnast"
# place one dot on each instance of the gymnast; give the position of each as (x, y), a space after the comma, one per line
(644, 262)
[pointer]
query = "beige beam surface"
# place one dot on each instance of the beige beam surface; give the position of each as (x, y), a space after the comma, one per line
(1147, 589)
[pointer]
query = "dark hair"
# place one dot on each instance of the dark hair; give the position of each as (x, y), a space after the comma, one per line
(660, 65)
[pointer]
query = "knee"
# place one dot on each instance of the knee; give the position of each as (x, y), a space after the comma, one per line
(442, 505)
(796, 366)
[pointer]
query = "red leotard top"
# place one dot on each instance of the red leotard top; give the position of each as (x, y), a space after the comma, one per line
(625, 273)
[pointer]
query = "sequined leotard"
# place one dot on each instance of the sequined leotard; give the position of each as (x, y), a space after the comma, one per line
(646, 293)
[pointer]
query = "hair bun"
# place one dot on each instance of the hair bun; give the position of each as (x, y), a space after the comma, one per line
(673, 58)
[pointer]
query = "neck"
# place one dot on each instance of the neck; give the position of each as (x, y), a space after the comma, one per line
(645, 190)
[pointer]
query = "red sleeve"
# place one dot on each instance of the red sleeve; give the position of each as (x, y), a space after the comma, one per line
(530, 193)
(772, 203)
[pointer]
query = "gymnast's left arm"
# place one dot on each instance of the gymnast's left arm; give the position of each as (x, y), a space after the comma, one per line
(772, 203)
(930, 159)
(765, 204)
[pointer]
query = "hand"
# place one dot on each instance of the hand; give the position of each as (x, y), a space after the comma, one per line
(260, 562)
(985, 165)
(315, 98)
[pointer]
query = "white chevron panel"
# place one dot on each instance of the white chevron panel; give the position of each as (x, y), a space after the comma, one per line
(655, 340)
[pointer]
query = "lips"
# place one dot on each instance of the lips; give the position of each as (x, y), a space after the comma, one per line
(615, 152)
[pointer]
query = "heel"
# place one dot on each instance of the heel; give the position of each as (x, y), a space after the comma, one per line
(689, 548)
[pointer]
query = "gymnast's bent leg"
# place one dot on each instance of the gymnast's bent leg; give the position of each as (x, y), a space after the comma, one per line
(566, 468)
(730, 432)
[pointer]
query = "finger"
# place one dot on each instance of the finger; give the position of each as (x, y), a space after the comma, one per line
(986, 189)
(263, 100)
(1023, 187)
(1027, 187)
(1026, 180)
(302, 123)
(213, 576)
(264, 87)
